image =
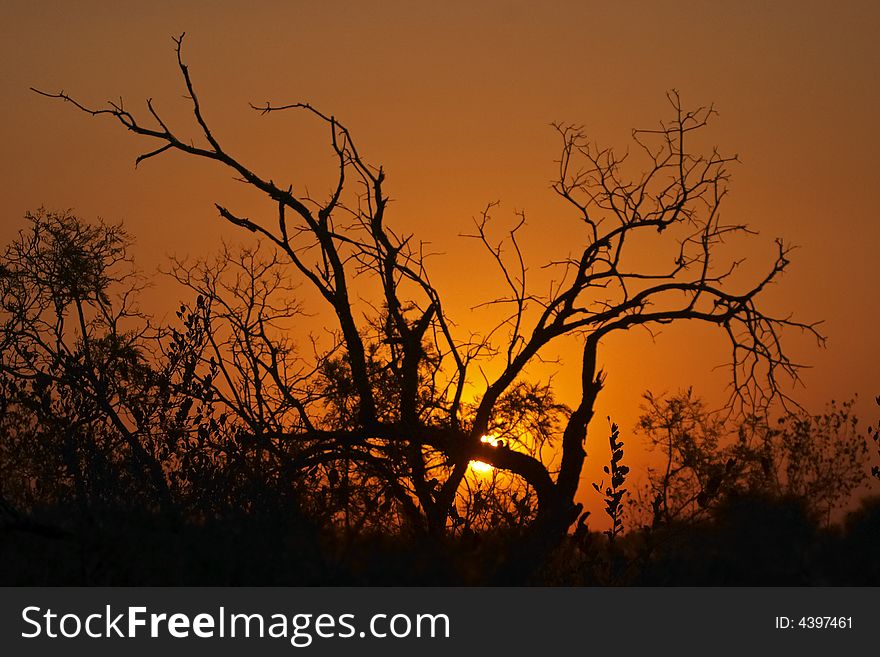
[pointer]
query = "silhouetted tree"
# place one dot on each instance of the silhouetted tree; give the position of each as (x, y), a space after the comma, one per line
(111, 428)
(74, 368)
(694, 467)
(818, 459)
(385, 400)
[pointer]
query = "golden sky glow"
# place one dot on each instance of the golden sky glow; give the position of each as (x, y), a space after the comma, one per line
(455, 100)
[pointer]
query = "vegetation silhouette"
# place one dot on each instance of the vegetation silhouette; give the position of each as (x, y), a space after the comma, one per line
(96, 399)
(818, 459)
(218, 450)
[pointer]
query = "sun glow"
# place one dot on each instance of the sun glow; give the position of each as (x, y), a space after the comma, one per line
(479, 466)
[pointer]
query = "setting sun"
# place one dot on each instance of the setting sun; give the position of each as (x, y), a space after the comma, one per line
(480, 466)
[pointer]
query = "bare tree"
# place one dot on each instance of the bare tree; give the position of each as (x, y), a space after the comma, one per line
(401, 412)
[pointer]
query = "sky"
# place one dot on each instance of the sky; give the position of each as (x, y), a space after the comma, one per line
(455, 100)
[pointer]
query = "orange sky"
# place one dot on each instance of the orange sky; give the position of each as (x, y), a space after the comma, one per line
(455, 100)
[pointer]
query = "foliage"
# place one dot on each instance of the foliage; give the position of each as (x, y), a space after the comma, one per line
(819, 459)
(75, 378)
(614, 492)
